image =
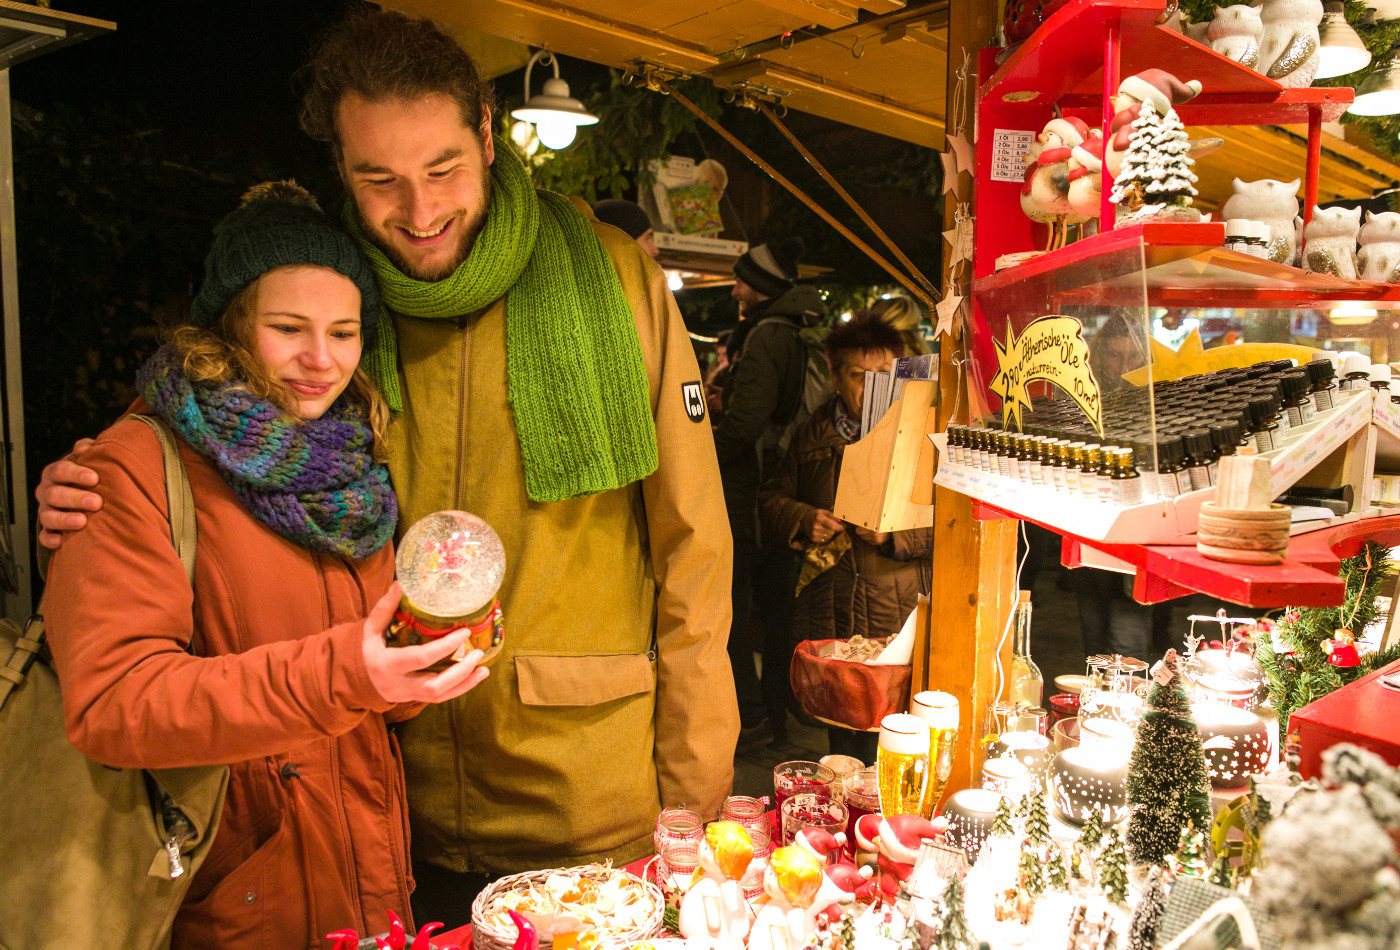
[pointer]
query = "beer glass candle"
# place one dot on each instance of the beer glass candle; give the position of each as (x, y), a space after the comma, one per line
(450, 563)
(902, 763)
(940, 711)
(797, 777)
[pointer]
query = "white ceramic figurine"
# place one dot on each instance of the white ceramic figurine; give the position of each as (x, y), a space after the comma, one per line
(1273, 202)
(1235, 32)
(714, 906)
(1288, 48)
(1329, 242)
(1379, 257)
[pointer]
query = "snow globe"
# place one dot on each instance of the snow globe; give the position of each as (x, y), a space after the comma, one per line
(451, 564)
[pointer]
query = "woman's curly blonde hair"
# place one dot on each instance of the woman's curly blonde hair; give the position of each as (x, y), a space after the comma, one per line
(227, 352)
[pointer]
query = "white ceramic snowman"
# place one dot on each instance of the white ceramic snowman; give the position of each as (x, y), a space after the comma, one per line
(1288, 47)
(714, 906)
(1329, 242)
(1379, 257)
(1235, 32)
(1273, 202)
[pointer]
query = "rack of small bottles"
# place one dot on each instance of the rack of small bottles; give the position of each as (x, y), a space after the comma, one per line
(1198, 420)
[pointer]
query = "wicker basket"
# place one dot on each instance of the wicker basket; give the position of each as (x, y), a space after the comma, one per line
(488, 937)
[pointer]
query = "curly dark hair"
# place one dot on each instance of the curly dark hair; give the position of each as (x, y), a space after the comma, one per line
(384, 54)
(865, 332)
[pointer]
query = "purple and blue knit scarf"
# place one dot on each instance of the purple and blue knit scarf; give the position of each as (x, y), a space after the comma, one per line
(313, 482)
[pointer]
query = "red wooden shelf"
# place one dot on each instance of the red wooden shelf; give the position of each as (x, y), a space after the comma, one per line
(1063, 62)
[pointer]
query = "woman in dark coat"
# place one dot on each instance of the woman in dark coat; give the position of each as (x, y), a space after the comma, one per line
(874, 579)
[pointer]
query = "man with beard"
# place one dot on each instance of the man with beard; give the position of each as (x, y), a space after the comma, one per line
(541, 378)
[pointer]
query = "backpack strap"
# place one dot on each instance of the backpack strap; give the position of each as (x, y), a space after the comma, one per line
(179, 499)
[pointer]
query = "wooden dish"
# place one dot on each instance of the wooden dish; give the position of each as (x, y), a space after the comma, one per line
(1244, 535)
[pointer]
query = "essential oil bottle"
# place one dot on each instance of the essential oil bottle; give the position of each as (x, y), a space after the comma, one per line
(1321, 373)
(1297, 401)
(1201, 458)
(1356, 372)
(1172, 477)
(1126, 480)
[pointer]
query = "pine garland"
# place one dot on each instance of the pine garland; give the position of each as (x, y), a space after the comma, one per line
(1300, 673)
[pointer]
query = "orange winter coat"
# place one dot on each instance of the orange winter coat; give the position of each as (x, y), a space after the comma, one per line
(313, 833)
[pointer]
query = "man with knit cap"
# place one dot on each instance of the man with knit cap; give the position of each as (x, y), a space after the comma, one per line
(542, 378)
(629, 218)
(761, 399)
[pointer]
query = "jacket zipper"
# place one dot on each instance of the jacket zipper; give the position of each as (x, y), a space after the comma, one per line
(465, 328)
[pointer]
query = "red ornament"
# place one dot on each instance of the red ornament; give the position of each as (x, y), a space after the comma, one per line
(1341, 650)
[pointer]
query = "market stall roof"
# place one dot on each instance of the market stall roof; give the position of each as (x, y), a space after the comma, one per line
(873, 64)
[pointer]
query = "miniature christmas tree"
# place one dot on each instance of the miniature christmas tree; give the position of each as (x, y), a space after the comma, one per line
(1156, 168)
(955, 934)
(1113, 867)
(1221, 873)
(1037, 818)
(1297, 669)
(1058, 868)
(1168, 784)
(1032, 872)
(1001, 821)
(1091, 836)
(910, 940)
(1190, 857)
(846, 933)
(1147, 917)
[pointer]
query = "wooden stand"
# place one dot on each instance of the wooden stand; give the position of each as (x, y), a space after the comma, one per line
(879, 474)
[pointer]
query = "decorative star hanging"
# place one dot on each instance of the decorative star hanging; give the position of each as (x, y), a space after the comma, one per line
(947, 310)
(962, 149)
(950, 171)
(959, 238)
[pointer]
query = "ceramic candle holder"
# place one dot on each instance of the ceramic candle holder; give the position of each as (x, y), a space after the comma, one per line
(970, 813)
(1236, 742)
(1008, 776)
(1031, 749)
(1094, 774)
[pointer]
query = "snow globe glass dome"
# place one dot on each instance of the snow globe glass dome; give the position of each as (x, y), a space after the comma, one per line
(451, 564)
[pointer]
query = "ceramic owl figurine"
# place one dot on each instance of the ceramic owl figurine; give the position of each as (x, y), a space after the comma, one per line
(1273, 202)
(1379, 257)
(1329, 242)
(1235, 32)
(1288, 47)
(1195, 31)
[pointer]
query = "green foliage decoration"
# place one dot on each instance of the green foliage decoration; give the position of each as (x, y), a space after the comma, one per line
(1168, 782)
(1113, 867)
(1299, 673)
(955, 933)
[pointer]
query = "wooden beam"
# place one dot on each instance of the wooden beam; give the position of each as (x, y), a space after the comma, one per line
(973, 561)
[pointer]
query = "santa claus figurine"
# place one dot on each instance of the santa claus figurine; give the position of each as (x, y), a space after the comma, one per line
(1086, 176)
(1341, 649)
(899, 840)
(1158, 85)
(820, 842)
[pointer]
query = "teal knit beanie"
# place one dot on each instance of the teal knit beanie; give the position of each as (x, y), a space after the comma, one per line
(279, 224)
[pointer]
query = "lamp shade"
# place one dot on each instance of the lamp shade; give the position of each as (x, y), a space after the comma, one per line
(1340, 50)
(1379, 92)
(555, 114)
(1236, 742)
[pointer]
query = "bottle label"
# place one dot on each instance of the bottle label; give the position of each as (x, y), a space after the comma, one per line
(1103, 490)
(1199, 476)
(1309, 411)
(1263, 441)
(1295, 416)
(1213, 473)
(1322, 399)
(1032, 472)
(1149, 482)
(1166, 485)
(1127, 491)
(1057, 478)
(1003, 466)
(1183, 481)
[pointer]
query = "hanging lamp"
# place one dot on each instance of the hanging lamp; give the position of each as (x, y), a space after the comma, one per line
(1340, 49)
(1379, 92)
(555, 114)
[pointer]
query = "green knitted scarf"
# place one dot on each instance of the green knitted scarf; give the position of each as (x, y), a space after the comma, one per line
(574, 371)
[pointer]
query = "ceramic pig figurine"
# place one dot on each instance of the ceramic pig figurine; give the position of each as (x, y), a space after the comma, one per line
(1288, 48)
(1329, 242)
(1379, 257)
(1273, 202)
(1235, 32)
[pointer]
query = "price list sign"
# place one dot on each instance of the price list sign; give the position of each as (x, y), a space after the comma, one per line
(1009, 148)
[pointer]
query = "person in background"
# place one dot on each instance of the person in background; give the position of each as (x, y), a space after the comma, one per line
(630, 219)
(290, 682)
(906, 317)
(854, 581)
(760, 397)
(540, 377)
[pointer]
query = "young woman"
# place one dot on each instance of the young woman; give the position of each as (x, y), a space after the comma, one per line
(287, 679)
(871, 584)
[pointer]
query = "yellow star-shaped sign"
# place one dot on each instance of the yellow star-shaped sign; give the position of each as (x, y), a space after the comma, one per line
(1007, 383)
(1192, 357)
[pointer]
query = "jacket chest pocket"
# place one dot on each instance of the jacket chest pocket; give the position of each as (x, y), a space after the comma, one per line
(555, 680)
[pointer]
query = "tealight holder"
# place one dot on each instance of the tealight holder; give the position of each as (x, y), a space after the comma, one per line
(1235, 741)
(1230, 676)
(1093, 775)
(1031, 749)
(970, 813)
(1008, 776)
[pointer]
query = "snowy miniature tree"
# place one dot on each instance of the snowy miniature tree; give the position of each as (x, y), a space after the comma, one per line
(1156, 167)
(955, 934)
(1168, 783)
(1113, 867)
(1190, 857)
(1001, 821)
(1058, 868)
(1147, 917)
(846, 933)
(1091, 835)
(1032, 872)
(1037, 818)
(1221, 873)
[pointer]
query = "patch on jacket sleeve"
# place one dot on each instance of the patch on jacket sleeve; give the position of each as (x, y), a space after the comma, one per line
(693, 395)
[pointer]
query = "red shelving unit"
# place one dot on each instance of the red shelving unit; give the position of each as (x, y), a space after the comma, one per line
(1074, 62)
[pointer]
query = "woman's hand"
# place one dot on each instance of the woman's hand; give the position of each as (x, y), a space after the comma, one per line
(398, 673)
(63, 496)
(821, 525)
